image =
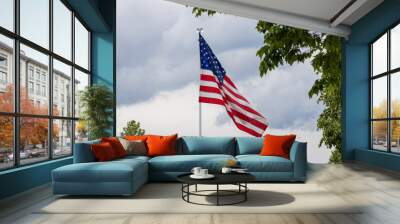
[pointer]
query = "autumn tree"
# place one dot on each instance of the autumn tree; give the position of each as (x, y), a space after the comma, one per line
(379, 128)
(33, 131)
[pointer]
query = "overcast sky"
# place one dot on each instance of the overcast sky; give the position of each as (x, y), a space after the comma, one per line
(158, 75)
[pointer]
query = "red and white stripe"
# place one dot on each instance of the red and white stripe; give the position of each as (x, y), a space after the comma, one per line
(238, 107)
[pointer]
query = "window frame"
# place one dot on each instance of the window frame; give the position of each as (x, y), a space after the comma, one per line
(388, 74)
(16, 114)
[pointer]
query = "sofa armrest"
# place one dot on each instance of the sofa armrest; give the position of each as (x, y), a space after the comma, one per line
(83, 152)
(298, 155)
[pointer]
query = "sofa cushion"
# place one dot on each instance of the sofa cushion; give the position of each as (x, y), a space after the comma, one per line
(275, 145)
(116, 145)
(161, 145)
(248, 145)
(185, 163)
(134, 147)
(196, 145)
(112, 171)
(257, 163)
(103, 152)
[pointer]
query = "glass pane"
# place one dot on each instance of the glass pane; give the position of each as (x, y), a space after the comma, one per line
(6, 75)
(395, 47)
(395, 94)
(379, 135)
(35, 21)
(62, 89)
(379, 55)
(395, 136)
(62, 29)
(6, 142)
(7, 14)
(34, 97)
(379, 97)
(81, 131)
(62, 138)
(81, 82)
(33, 139)
(81, 45)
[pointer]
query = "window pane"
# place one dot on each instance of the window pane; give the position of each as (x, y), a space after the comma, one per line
(379, 135)
(395, 136)
(34, 97)
(6, 142)
(6, 75)
(81, 82)
(379, 97)
(81, 131)
(395, 94)
(395, 47)
(379, 55)
(7, 14)
(62, 89)
(33, 139)
(35, 21)
(62, 138)
(62, 29)
(81, 45)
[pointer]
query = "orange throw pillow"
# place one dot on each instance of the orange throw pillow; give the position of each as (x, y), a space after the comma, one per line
(277, 145)
(161, 145)
(103, 152)
(116, 145)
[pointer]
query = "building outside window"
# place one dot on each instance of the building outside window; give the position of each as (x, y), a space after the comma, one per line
(34, 75)
(37, 74)
(31, 76)
(44, 91)
(30, 87)
(3, 78)
(3, 72)
(385, 91)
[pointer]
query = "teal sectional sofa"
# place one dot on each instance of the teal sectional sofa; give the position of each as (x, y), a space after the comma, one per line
(125, 176)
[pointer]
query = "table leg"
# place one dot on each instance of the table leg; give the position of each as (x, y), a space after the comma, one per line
(245, 193)
(195, 188)
(217, 194)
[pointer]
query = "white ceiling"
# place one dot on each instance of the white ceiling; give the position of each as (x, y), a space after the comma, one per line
(324, 16)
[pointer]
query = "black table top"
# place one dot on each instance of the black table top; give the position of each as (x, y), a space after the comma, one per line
(220, 178)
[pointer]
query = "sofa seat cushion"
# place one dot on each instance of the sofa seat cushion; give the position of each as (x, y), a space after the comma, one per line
(112, 171)
(257, 163)
(185, 163)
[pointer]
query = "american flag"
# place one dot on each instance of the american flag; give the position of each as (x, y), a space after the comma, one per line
(216, 87)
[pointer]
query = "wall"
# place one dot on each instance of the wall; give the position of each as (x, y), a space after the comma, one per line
(356, 99)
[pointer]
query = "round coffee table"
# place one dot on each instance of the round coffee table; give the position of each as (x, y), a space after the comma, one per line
(238, 179)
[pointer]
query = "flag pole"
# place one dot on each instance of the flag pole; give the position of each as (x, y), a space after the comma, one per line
(199, 30)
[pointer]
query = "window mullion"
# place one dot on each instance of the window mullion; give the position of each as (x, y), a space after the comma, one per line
(73, 81)
(16, 84)
(50, 81)
(389, 104)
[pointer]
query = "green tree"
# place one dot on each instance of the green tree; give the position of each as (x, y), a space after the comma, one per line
(97, 104)
(133, 128)
(283, 44)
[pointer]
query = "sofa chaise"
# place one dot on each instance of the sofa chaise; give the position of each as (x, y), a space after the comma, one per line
(125, 176)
